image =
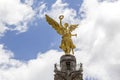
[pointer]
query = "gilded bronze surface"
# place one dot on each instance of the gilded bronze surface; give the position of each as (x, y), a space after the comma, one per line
(65, 31)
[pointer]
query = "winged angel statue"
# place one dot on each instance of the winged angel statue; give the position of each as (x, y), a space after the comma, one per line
(65, 31)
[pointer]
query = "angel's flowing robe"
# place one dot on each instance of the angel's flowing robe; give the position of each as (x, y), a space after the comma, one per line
(66, 43)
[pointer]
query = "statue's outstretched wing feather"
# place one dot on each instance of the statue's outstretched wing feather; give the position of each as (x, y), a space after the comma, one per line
(54, 24)
(73, 27)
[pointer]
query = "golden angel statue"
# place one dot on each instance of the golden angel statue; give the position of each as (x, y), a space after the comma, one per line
(65, 31)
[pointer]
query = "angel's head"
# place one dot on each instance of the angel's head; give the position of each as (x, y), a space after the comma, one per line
(65, 25)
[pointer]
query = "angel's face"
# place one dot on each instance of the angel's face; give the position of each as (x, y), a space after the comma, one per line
(66, 25)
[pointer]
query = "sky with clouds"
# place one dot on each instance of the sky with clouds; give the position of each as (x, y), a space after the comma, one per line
(29, 47)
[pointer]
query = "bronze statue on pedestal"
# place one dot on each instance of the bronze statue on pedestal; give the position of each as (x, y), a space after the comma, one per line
(65, 31)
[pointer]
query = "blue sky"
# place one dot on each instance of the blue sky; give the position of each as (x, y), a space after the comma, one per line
(30, 46)
(26, 45)
(38, 38)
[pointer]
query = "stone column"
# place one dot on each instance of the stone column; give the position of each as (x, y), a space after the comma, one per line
(67, 69)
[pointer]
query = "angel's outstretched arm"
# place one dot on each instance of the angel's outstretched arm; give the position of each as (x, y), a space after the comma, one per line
(61, 22)
(61, 17)
(73, 34)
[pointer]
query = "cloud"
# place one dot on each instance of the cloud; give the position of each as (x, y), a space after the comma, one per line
(5, 55)
(97, 42)
(3, 28)
(57, 9)
(99, 37)
(14, 13)
(40, 68)
(29, 2)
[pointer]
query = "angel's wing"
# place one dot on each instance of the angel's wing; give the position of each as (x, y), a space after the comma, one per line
(73, 27)
(54, 24)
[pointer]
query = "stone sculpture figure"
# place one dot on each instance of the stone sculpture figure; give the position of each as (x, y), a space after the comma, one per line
(65, 31)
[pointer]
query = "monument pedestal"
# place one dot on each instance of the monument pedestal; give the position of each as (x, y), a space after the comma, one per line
(68, 69)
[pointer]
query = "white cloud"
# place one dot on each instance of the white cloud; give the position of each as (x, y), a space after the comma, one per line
(40, 68)
(13, 12)
(97, 42)
(5, 55)
(29, 2)
(41, 10)
(3, 28)
(57, 9)
(99, 37)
